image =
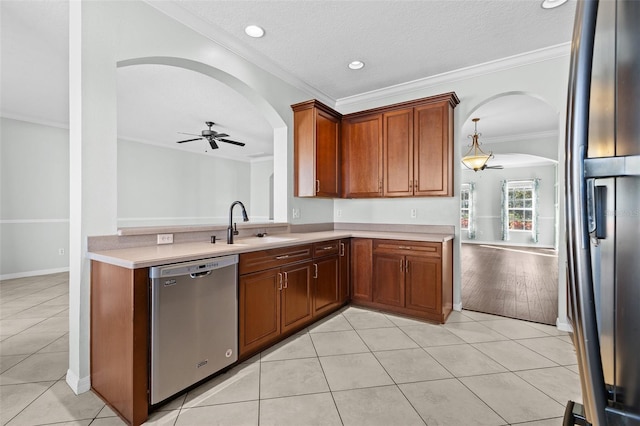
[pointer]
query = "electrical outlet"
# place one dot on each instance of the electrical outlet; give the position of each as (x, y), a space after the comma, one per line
(296, 213)
(61, 251)
(414, 213)
(165, 238)
(338, 213)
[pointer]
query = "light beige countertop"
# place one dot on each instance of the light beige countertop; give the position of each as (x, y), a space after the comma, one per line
(147, 256)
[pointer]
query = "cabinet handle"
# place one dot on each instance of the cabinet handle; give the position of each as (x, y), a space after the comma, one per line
(342, 249)
(317, 186)
(279, 281)
(406, 268)
(404, 247)
(401, 266)
(415, 185)
(286, 280)
(315, 270)
(380, 186)
(284, 256)
(327, 248)
(410, 184)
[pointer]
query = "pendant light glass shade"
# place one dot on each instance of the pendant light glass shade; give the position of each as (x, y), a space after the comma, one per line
(476, 159)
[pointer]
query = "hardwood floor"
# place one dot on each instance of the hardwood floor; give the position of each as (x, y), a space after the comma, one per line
(516, 282)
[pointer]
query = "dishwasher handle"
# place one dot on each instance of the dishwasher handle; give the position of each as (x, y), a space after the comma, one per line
(200, 274)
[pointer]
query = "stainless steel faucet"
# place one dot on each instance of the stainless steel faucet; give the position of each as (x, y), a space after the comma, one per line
(230, 230)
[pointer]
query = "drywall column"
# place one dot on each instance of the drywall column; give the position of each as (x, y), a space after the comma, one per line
(93, 161)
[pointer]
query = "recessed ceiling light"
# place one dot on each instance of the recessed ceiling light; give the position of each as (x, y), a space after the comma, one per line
(550, 4)
(254, 31)
(356, 65)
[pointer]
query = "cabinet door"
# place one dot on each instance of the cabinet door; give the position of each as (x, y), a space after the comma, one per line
(398, 153)
(327, 155)
(259, 309)
(296, 296)
(424, 283)
(345, 270)
(362, 156)
(388, 279)
(316, 136)
(361, 268)
(326, 283)
(433, 150)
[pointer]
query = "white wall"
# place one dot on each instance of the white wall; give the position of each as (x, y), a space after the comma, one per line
(261, 190)
(488, 205)
(164, 186)
(34, 199)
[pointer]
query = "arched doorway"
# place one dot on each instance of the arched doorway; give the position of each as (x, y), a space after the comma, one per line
(509, 211)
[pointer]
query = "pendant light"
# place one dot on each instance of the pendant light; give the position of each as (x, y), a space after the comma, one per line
(476, 159)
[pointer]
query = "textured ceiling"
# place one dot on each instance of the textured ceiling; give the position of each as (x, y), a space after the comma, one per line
(308, 41)
(399, 41)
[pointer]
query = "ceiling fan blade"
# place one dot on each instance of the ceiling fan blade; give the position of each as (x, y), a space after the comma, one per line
(494, 167)
(190, 134)
(189, 140)
(232, 142)
(213, 144)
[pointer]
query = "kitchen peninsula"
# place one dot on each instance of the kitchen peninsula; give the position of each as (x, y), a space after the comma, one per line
(288, 279)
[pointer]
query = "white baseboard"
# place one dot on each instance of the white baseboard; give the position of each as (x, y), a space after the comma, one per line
(457, 307)
(78, 385)
(564, 325)
(33, 273)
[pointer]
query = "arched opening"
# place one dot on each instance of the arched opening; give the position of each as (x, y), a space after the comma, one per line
(510, 212)
(198, 182)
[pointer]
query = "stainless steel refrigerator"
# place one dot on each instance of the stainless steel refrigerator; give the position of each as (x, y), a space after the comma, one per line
(603, 210)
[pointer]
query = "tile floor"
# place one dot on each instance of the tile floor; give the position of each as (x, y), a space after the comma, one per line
(357, 367)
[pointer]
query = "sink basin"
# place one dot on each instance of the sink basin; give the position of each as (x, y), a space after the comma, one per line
(261, 240)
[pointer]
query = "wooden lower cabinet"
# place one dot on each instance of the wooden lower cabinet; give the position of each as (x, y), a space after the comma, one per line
(409, 277)
(295, 307)
(120, 339)
(345, 270)
(327, 284)
(388, 279)
(361, 269)
(271, 303)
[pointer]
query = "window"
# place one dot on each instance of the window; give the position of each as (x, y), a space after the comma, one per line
(520, 205)
(464, 206)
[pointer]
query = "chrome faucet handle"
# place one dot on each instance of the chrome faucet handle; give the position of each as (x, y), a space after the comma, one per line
(235, 229)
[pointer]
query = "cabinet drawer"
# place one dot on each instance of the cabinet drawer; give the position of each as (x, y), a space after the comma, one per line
(415, 248)
(326, 248)
(272, 258)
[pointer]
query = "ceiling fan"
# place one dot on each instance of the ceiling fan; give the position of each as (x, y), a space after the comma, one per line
(212, 136)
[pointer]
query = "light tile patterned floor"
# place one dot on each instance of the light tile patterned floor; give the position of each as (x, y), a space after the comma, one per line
(357, 367)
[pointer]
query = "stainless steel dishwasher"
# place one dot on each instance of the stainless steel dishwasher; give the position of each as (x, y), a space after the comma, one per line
(194, 322)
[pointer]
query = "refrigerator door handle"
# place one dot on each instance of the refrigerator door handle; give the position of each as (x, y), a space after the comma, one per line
(580, 280)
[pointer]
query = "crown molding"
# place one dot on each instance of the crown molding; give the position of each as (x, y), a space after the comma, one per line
(176, 12)
(522, 59)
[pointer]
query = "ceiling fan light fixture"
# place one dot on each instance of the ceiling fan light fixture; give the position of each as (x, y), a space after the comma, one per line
(254, 31)
(551, 4)
(475, 158)
(356, 65)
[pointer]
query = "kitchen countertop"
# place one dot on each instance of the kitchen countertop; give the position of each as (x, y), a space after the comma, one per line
(147, 256)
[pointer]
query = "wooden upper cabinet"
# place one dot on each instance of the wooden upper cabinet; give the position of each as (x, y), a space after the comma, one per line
(362, 157)
(433, 150)
(398, 153)
(316, 150)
